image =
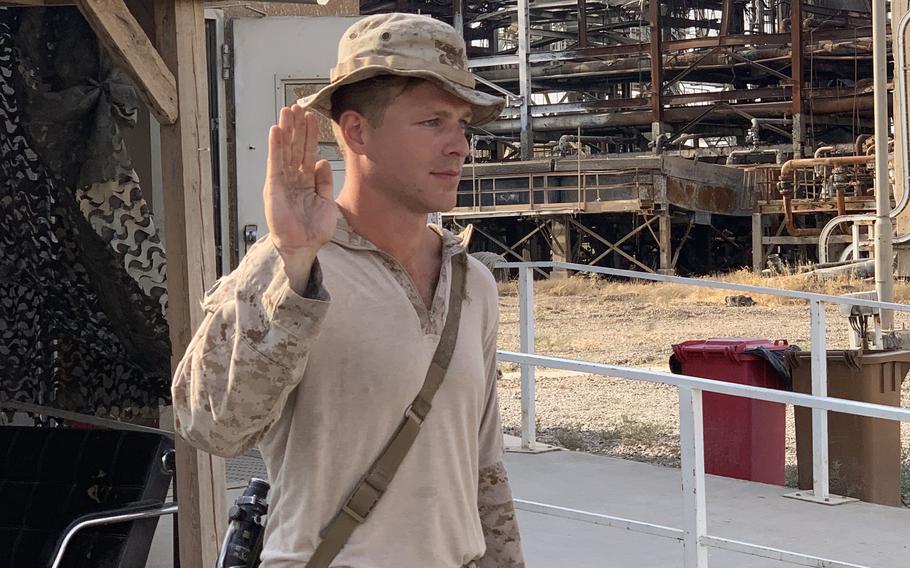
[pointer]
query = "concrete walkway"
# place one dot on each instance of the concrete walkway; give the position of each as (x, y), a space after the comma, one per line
(860, 533)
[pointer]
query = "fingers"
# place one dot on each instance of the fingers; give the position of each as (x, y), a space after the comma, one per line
(286, 123)
(274, 162)
(311, 151)
(324, 186)
(298, 139)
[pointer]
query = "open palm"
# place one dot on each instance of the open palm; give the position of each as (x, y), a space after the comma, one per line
(299, 205)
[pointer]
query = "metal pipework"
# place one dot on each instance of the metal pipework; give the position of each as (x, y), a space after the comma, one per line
(858, 145)
(823, 150)
(754, 136)
(884, 277)
(787, 170)
(800, 163)
(563, 144)
(734, 153)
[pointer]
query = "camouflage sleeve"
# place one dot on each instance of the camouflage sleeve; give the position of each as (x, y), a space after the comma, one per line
(497, 517)
(494, 495)
(248, 354)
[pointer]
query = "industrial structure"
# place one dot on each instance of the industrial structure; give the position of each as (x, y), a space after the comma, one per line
(652, 135)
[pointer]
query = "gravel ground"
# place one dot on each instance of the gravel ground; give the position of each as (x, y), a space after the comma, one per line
(629, 419)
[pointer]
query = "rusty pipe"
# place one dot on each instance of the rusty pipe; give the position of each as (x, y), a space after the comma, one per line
(824, 150)
(841, 203)
(799, 163)
(860, 140)
(792, 229)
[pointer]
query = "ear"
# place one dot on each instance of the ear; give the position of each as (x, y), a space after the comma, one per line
(353, 126)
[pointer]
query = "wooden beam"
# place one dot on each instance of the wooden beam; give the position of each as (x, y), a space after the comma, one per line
(132, 50)
(187, 179)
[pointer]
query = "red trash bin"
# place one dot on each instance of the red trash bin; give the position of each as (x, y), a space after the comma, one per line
(744, 438)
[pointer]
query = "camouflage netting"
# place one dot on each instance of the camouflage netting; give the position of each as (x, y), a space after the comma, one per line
(82, 270)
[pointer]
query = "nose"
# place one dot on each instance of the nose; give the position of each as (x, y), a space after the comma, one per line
(457, 143)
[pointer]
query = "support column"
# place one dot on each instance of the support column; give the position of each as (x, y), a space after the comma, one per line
(796, 54)
(561, 246)
(758, 248)
(582, 24)
(666, 242)
(726, 17)
(657, 74)
(524, 79)
(883, 247)
(187, 178)
(458, 16)
(898, 9)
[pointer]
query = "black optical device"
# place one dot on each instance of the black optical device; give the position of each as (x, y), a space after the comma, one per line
(243, 541)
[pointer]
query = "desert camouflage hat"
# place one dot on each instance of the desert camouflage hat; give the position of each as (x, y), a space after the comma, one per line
(408, 45)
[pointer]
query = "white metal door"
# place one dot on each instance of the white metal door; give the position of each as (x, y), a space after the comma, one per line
(277, 60)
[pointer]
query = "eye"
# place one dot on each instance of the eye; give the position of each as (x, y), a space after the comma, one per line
(432, 122)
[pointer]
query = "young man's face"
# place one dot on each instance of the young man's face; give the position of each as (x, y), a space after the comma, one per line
(417, 152)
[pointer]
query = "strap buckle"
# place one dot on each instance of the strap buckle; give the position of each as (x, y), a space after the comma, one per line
(362, 501)
(412, 414)
(353, 514)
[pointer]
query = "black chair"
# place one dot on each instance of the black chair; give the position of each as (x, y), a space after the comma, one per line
(72, 498)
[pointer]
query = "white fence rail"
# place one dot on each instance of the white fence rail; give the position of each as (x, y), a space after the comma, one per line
(694, 533)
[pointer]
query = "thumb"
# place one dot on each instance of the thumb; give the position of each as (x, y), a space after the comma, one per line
(324, 186)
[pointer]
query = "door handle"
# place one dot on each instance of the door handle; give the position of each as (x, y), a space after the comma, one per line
(250, 236)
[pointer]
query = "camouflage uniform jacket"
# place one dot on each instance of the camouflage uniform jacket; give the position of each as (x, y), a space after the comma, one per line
(320, 381)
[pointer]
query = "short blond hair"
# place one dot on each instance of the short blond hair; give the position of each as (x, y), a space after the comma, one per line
(370, 98)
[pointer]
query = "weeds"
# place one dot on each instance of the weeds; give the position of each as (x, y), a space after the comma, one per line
(905, 477)
(569, 438)
(629, 439)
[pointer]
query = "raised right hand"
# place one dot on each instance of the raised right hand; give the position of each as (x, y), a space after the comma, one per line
(299, 205)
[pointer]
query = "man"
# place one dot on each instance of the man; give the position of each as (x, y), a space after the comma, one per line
(314, 347)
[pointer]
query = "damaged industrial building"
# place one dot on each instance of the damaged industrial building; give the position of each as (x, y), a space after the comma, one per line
(687, 137)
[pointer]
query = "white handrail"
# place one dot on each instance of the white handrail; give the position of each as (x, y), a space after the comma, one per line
(717, 285)
(694, 534)
(843, 405)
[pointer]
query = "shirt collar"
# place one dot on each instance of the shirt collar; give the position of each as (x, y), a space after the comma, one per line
(346, 237)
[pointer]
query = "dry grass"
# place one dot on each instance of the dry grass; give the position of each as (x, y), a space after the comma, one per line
(661, 293)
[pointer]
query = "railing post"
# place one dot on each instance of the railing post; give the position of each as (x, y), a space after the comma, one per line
(692, 452)
(528, 388)
(819, 388)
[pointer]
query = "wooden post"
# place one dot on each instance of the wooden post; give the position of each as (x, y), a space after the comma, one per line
(187, 181)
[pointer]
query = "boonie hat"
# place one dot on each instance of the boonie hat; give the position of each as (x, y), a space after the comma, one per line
(409, 45)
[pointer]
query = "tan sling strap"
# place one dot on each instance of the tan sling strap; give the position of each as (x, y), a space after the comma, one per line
(373, 485)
